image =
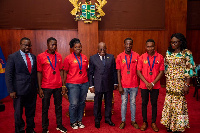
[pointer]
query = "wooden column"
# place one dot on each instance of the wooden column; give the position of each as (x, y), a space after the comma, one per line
(88, 35)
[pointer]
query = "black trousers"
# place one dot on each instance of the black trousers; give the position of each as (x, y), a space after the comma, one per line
(98, 103)
(145, 99)
(46, 103)
(29, 103)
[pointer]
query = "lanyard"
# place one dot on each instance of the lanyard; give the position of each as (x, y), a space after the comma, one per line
(128, 66)
(80, 64)
(51, 63)
(152, 64)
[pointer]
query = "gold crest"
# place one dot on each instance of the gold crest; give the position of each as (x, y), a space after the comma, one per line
(88, 11)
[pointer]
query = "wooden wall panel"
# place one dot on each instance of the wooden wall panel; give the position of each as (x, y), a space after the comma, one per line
(193, 39)
(88, 35)
(175, 21)
(115, 40)
(10, 40)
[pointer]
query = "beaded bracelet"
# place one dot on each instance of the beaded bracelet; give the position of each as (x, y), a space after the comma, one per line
(187, 85)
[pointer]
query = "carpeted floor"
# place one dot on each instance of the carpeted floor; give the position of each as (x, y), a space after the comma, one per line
(7, 117)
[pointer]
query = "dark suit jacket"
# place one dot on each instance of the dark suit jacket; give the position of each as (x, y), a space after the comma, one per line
(18, 78)
(102, 77)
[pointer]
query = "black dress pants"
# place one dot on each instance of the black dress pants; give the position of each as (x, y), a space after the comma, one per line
(29, 102)
(145, 99)
(46, 103)
(98, 103)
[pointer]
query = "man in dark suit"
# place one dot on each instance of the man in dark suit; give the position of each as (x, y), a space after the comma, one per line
(102, 79)
(21, 81)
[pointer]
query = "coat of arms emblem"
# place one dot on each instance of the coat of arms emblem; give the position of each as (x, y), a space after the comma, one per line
(88, 11)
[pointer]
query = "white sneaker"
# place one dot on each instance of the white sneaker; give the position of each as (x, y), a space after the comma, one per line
(80, 125)
(74, 126)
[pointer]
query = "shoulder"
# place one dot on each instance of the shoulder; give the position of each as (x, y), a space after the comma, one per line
(159, 55)
(58, 54)
(13, 55)
(119, 55)
(93, 56)
(135, 54)
(33, 55)
(187, 52)
(110, 55)
(143, 55)
(69, 56)
(168, 52)
(84, 56)
(41, 54)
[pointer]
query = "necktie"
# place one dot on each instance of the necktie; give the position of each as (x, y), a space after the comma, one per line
(28, 63)
(103, 60)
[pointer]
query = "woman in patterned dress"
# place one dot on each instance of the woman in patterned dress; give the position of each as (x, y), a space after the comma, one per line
(179, 67)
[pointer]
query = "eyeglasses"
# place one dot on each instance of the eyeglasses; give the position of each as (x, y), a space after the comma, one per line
(174, 42)
(26, 45)
(104, 49)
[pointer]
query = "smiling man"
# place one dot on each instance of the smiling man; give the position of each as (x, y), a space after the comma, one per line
(126, 64)
(102, 80)
(150, 69)
(50, 74)
(21, 81)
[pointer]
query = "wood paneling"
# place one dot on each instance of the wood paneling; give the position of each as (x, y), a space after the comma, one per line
(10, 40)
(88, 35)
(175, 21)
(193, 39)
(115, 40)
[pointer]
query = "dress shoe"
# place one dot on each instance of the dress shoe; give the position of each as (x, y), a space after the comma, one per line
(110, 122)
(134, 124)
(144, 126)
(23, 131)
(169, 130)
(97, 124)
(122, 125)
(30, 130)
(154, 127)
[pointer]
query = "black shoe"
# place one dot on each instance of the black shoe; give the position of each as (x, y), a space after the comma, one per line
(110, 122)
(169, 130)
(30, 130)
(23, 131)
(97, 124)
(61, 128)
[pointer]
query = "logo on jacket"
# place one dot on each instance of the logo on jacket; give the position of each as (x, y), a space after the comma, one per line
(75, 61)
(145, 61)
(123, 61)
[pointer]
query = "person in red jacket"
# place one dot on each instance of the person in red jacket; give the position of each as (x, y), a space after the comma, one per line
(50, 74)
(150, 69)
(76, 80)
(126, 65)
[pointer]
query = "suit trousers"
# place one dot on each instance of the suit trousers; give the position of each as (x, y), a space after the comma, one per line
(145, 99)
(29, 102)
(108, 96)
(46, 103)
